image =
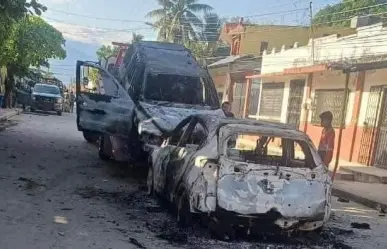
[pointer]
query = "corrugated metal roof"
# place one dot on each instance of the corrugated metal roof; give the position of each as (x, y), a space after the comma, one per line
(226, 60)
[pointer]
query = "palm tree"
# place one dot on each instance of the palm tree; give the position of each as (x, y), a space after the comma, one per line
(137, 37)
(176, 20)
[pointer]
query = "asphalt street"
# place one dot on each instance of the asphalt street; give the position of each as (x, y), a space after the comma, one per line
(56, 193)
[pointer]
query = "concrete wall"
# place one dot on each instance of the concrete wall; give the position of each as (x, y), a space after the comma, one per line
(278, 35)
(368, 42)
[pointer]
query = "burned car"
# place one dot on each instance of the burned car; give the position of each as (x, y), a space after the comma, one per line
(242, 173)
(159, 85)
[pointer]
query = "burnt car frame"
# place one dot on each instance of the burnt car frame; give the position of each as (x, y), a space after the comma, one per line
(194, 171)
(159, 85)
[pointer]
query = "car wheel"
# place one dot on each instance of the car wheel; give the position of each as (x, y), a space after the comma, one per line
(32, 110)
(101, 152)
(89, 137)
(184, 215)
(150, 182)
(59, 113)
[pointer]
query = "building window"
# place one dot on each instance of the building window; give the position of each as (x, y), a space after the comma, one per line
(238, 99)
(271, 100)
(254, 97)
(328, 100)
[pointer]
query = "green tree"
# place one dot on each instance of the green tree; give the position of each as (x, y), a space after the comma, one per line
(209, 34)
(341, 13)
(177, 20)
(105, 52)
(137, 37)
(12, 11)
(31, 42)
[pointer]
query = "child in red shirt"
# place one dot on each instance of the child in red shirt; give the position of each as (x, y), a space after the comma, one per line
(327, 140)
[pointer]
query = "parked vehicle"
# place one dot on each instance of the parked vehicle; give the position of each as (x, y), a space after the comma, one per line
(242, 173)
(46, 98)
(66, 102)
(160, 84)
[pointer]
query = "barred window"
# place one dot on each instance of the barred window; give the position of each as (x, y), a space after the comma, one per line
(254, 96)
(328, 100)
(271, 99)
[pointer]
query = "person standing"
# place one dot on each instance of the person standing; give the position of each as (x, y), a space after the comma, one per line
(72, 100)
(226, 107)
(327, 140)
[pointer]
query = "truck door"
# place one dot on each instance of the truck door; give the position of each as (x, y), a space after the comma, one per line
(103, 106)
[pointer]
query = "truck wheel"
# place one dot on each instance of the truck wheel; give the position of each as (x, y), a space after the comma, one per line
(59, 113)
(101, 152)
(89, 137)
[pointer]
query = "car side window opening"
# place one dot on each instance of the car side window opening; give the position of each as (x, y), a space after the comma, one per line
(196, 136)
(270, 150)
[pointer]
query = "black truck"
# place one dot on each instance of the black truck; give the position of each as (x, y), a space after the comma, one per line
(158, 85)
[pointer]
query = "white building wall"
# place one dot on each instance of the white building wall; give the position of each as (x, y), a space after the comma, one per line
(369, 41)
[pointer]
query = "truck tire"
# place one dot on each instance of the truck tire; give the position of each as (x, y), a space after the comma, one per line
(90, 137)
(101, 150)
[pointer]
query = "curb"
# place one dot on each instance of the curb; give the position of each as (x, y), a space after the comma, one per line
(358, 199)
(11, 114)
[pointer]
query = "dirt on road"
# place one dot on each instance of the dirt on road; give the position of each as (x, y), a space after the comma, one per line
(58, 194)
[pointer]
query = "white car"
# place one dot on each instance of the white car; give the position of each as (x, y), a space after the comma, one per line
(242, 173)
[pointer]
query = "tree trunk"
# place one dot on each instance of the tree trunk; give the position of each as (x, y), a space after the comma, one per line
(9, 85)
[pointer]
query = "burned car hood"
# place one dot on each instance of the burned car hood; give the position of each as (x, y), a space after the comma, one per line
(159, 118)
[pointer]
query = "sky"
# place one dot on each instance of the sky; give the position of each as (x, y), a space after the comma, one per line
(87, 24)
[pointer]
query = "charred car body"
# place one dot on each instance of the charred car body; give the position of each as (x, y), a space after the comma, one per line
(242, 173)
(159, 85)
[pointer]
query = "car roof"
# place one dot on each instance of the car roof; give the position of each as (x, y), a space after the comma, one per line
(169, 58)
(213, 124)
(42, 84)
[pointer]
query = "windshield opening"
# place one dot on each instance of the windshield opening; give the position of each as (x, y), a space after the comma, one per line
(179, 89)
(269, 150)
(46, 89)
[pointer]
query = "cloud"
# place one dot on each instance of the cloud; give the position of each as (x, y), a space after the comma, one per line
(91, 35)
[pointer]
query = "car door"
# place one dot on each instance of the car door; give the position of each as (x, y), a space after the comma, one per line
(166, 152)
(182, 155)
(103, 106)
(23, 94)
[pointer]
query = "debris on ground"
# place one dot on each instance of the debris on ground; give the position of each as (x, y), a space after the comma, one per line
(30, 184)
(61, 233)
(340, 199)
(136, 243)
(358, 225)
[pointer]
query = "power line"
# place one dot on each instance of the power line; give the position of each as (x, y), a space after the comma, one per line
(144, 22)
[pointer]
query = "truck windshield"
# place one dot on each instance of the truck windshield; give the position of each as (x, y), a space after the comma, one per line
(46, 89)
(179, 89)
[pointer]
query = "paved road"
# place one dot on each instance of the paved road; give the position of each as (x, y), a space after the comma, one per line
(56, 193)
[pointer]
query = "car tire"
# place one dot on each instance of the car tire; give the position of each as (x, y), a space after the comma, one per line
(32, 110)
(59, 113)
(150, 182)
(89, 137)
(184, 215)
(101, 152)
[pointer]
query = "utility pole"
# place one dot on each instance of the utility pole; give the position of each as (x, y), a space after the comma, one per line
(311, 35)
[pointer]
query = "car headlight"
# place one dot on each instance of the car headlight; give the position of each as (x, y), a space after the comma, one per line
(59, 100)
(33, 98)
